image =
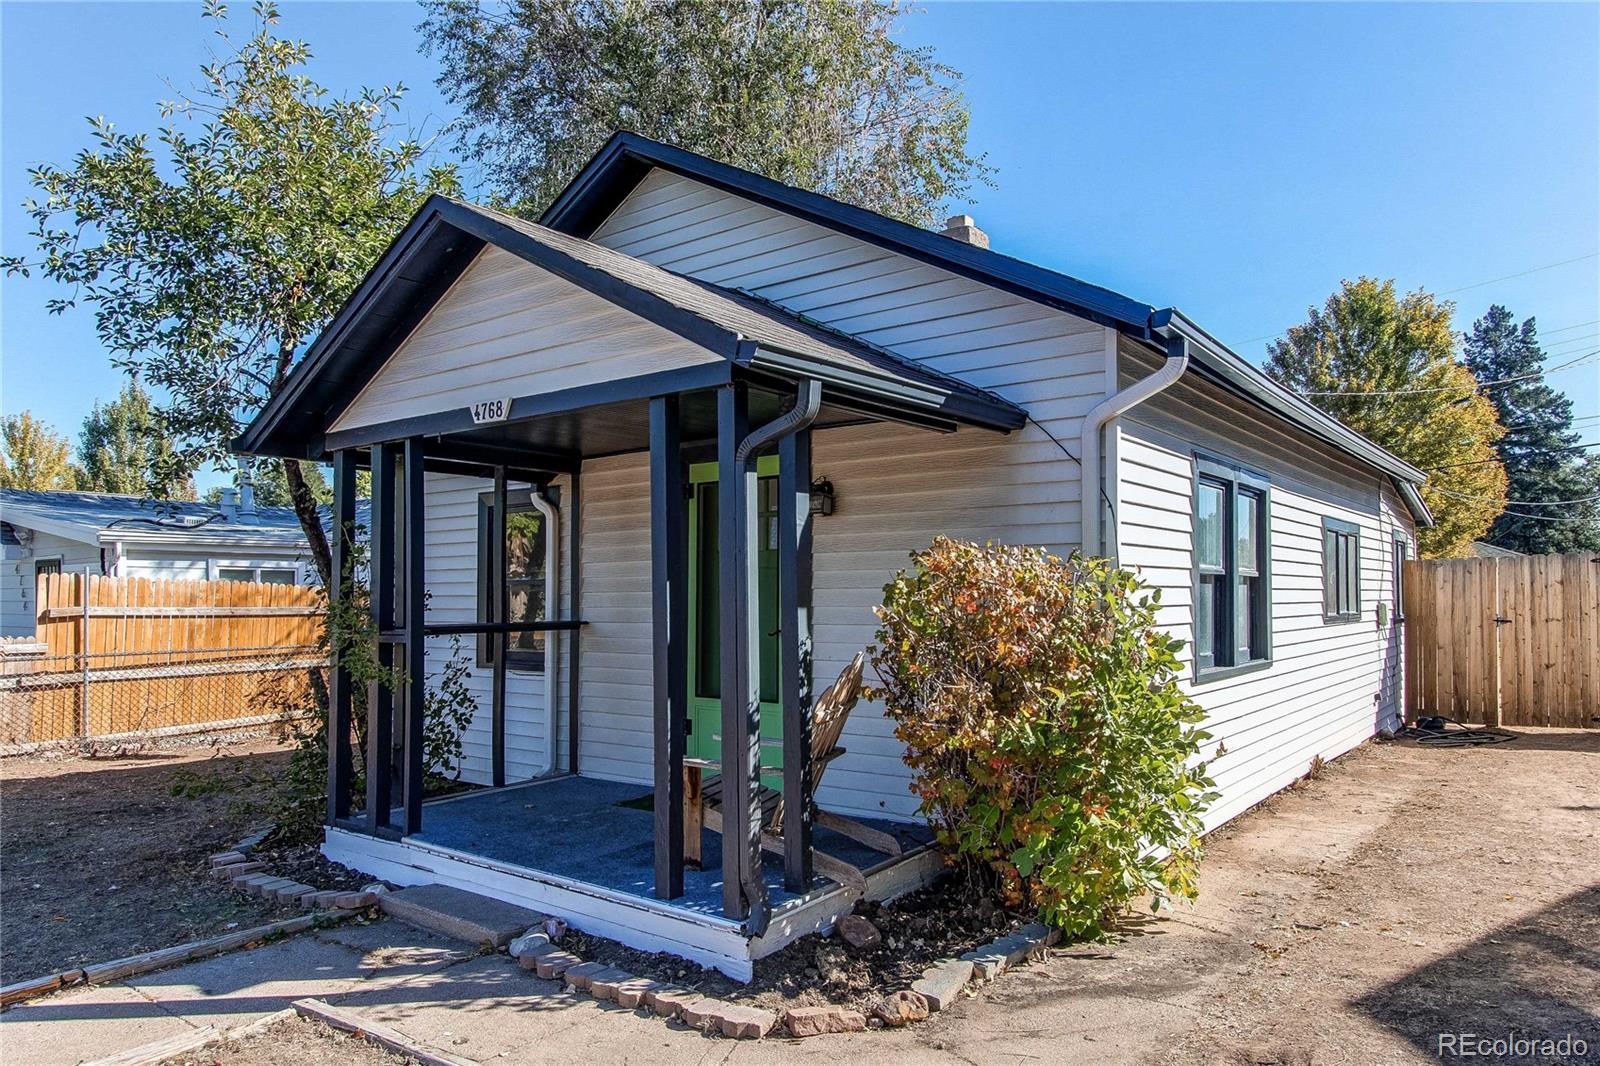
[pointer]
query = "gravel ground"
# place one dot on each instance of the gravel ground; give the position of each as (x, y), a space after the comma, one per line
(102, 860)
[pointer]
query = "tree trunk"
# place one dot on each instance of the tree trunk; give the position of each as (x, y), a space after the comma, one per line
(305, 507)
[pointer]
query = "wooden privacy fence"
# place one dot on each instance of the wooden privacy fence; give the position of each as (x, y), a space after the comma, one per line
(123, 657)
(1512, 641)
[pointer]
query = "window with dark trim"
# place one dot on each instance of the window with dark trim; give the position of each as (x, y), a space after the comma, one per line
(1341, 570)
(524, 576)
(1402, 552)
(1233, 580)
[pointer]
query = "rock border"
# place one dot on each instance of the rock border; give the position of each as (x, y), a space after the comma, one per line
(938, 988)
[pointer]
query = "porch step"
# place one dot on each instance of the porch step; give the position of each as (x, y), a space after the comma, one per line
(460, 914)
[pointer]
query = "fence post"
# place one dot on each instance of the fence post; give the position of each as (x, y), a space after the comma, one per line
(83, 657)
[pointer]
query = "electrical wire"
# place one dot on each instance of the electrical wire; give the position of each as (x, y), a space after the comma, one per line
(1464, 288)
(1545, 517)
(1586, 357)
(1486, 462)
(1519, 503)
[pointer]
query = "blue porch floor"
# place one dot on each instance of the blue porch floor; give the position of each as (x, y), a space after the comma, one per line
(577, 828)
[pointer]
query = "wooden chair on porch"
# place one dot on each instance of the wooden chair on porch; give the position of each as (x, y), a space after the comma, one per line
(704, 806)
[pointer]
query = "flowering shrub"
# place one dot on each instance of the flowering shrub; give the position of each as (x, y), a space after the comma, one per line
(1054, 753)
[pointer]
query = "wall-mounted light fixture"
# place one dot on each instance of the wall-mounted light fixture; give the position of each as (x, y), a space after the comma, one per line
(821, 496)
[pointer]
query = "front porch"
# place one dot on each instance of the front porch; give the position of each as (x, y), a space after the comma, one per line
(584, 849)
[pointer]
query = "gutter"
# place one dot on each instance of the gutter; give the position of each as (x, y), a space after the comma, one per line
(1112, 406)
(808, 403)
(552, 568)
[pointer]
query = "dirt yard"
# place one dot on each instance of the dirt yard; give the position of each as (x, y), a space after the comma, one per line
(105, 857)
(293, 1042)
(1407, 892)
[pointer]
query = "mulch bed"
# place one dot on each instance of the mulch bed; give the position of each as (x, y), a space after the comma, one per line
(918, 929)
(305, 863)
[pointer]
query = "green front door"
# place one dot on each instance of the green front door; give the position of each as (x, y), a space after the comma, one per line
(705, 617)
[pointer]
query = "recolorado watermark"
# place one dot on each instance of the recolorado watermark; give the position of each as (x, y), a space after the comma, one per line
(1511, 1045)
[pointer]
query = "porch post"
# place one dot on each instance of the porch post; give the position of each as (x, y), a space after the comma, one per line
(741, 694)
(413, 600)
(794, 652)
(380, 700)
(498, 610)
(339, 701)
(669, 566)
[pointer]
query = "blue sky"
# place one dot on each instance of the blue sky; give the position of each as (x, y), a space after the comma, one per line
(1234, 160)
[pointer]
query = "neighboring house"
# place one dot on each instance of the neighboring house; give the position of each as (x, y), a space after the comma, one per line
(672, 319)
(126, 536)
(1482, 549)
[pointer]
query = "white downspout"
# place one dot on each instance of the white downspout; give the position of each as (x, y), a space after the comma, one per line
(552, 571)
(1103, 412)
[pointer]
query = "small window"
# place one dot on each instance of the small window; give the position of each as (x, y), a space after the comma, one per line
(1402, 552)
(1232, 592)
(524, 577)
(270, 575)
(46, 566)
(1341, 570)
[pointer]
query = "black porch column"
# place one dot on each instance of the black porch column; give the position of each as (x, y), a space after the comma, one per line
(344, 517)
(741, 694)
(380, 698)
(794, 652)
(498, 610)
(669, 571)
(412, 608)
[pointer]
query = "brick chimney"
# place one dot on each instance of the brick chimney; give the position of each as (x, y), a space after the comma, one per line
(963, 228)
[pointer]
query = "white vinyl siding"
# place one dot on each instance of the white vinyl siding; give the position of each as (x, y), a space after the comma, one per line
(451, 565)
(18, 609)
(897, 487)
(506, 329)
(1328, 687)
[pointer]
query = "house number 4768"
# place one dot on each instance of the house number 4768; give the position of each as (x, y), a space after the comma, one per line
(490, 411)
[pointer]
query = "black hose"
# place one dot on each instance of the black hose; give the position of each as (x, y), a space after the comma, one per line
(1434, 731)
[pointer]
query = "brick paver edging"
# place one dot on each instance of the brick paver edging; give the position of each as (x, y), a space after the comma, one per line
(936, 990)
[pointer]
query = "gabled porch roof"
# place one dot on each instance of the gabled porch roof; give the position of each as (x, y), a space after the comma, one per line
(756, 339)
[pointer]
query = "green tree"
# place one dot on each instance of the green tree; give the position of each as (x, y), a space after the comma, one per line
(1386, 366)
(813, 93)
(124, 448)
(210, 267)
(1540, 452)
(34, 456)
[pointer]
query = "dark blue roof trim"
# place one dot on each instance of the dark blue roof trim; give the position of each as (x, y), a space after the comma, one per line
(628, 157)
(439, 243)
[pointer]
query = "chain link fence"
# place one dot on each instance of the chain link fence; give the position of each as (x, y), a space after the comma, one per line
(108, 699)
(121, 660)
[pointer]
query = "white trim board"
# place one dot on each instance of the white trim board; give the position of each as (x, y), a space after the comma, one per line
(645, 924)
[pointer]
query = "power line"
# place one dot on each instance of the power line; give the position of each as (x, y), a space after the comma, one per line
(1519, 274)
(1546, 517)
(1486, 462)
(1586, 357)
(1518, 503)
(1464, 288)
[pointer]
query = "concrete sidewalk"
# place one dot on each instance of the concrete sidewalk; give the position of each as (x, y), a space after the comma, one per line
(439, 992)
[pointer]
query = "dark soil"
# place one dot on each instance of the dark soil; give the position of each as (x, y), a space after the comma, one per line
(305, 863)
(918, 930)
(106, 857)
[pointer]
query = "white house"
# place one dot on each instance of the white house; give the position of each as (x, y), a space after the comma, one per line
(126, 536)
(670, 442)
